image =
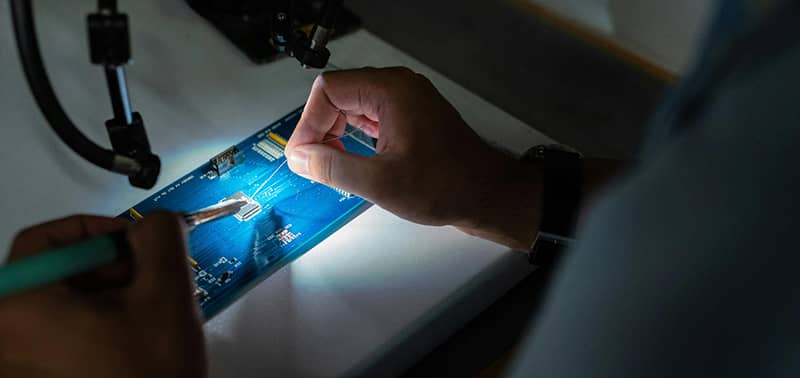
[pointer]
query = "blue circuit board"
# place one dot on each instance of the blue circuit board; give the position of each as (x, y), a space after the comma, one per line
(286, 215)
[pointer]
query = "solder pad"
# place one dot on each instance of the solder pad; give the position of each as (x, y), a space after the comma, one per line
(232, 255)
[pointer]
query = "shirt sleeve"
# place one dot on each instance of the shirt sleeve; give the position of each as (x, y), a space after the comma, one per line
(689, 268)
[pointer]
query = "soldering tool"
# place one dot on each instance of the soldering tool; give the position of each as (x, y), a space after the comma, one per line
(71, 260)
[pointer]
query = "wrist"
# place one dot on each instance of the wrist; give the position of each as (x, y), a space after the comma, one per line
(508, 210)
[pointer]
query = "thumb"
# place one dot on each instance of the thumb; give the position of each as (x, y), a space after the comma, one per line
(337, 168)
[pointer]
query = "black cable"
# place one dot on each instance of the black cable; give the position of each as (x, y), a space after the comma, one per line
(25, 32)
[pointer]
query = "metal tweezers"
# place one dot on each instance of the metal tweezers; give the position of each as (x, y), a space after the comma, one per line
(221, 210)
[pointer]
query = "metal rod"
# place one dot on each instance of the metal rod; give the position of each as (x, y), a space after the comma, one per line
(118, 90)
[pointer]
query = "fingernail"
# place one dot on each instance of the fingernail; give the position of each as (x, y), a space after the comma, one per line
(298, 161)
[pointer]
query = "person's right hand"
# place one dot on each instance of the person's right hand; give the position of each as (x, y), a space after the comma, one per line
(429, 167)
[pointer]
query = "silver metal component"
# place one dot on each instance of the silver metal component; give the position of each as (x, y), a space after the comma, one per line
(221, 210)
(126, 101)
(200, 294)
(125, 165)
(249, 210)
(320, 38)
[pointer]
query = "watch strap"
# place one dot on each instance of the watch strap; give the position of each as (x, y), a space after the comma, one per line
(562, 189)
(561, 197)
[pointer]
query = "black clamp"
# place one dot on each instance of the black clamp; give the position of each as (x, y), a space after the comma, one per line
(109, 39)
(109, 46)
(131, 140)
(311, 52)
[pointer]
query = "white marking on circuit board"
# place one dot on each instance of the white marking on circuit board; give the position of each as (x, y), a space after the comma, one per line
(224, 260)
(284, 236)
(173, 188)
(345, 195)
(204, 276)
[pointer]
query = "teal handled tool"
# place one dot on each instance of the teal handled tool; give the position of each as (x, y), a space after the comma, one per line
(64, 262)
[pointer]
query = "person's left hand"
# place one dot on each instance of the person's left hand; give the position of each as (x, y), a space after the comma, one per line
(135, 319)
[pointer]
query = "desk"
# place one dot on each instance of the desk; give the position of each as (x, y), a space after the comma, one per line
(371, 300)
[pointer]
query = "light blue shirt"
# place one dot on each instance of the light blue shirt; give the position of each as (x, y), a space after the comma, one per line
(691, 265)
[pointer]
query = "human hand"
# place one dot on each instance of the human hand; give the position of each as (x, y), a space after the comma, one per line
(429, 167)
(134, 319)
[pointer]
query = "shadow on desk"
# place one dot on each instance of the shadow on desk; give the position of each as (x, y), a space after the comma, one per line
(487, 345)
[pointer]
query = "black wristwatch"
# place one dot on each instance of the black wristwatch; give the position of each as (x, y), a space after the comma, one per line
(561, 197)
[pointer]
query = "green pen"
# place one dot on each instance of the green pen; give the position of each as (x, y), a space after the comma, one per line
(68, 261)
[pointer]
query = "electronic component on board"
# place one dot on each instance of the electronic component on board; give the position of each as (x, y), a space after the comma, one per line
(270, 150)
(277, 138)
(225, 161)
(249, 210)
(200, 294)
(225, 277)
(193, 263)
(135, 214)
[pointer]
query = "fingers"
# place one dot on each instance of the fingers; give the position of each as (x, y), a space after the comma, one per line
(158, 244)
(359, 97)
(363, 92)
(335, 167)
(61, 232)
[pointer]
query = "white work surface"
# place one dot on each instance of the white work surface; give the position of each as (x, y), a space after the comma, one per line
(370, 300)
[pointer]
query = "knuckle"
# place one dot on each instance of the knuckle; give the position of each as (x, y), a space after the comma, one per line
(424, 80)
(412, 83)
(322, 167)
(322, 79)
(25, 234)
(401, 71)
(399, 75)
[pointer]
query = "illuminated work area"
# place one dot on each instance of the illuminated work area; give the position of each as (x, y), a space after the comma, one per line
(317, 188)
